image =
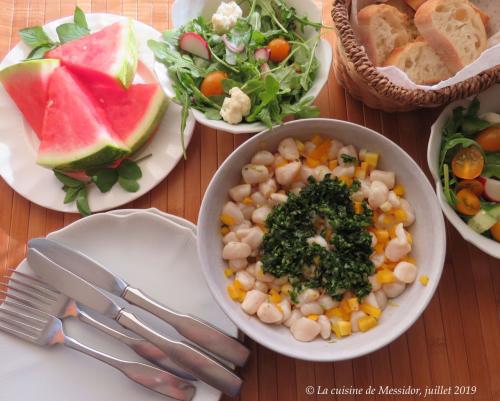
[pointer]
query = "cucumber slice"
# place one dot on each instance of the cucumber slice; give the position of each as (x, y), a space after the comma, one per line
(482, 221)
(495, 212)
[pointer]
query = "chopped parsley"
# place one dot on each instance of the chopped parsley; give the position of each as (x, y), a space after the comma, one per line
(348, 158)
(322, 208)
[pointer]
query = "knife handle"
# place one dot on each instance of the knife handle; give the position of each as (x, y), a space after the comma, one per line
(194, 329)
(196, 362)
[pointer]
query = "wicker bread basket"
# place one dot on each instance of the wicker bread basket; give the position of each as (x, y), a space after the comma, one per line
(361, 79)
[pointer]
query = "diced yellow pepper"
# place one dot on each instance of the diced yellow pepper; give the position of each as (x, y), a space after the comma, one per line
(371, 159)
(409, 237)
(371, 310)
(360, 173)
(342, 328)
(321, 151)
(238, 285)
(366, 323)
(312, 162)
(344, 307)
(379, 248)
(274, 296)
(385, 277)
(248, 201)
(392, 232)
(382, 236)
(399, 215)
(336, 312)
(280, 163)
(286, 289)
(388, 220)
(424, 280)
(399, 190)
(313, 317)
(388, 265)
(300, 145)
(235, 293)
(317, 139)
(224, 230)
(226, 219)
(409, 259)
(333, 164)
(358, 207)
(346, 180)
(353, 304)
(279, 308)
(228, 272)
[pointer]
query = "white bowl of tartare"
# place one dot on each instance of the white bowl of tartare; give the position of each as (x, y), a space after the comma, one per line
(325, 268)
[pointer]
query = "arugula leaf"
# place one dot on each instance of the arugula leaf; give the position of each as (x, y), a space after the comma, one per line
(302, 109)
(71, 193)
(80, 19)
(128, 185)
(492, 165)
(270, 91)
(82, 202)
(35, 36)
(452, 143)
(129, 169)
(448, 193)
(68, 181)
(70, 31)
(105, 178)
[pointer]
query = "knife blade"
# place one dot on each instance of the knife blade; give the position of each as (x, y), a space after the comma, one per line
(194, 329)
(202, 366)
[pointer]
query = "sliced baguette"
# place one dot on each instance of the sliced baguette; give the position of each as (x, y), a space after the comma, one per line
(453, 29)
(484, 17)
(420, 62)
(409, 12)
(382, 28)
(415, 4)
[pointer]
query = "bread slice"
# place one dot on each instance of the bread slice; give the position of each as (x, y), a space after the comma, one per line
(382, 28)
(453, 29)
(484, 17)
(415, 4)
(409, 12)
(420, 62)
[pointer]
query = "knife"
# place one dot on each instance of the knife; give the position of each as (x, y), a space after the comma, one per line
(196, 362)
(194, 329)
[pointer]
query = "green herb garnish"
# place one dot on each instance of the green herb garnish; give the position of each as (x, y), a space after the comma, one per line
(322, 208)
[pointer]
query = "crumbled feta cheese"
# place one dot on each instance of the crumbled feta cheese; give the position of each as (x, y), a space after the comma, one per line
(235, 107)
(226, 16)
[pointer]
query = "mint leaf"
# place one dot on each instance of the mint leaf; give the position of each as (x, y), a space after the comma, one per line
(105, 179)
(128, 185)
(39, 52)
(35, 36)
(82, 202)
(71, 193)
(68, 181)
(129, 170)
(70, 31)
(80, 19)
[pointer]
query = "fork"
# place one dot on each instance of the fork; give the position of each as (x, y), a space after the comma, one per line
(39, 295)
(38, 327)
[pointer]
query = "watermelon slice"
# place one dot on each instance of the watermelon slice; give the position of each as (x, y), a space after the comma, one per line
(109, 55)
(27, 84)
(76, 135)
(134, 114)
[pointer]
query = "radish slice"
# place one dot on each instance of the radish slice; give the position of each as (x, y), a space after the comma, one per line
(231, 46)
(491, 188)
(194, 43)
(262, 54)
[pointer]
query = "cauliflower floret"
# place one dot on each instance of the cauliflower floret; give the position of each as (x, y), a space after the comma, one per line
(226, 16)
(235, 107)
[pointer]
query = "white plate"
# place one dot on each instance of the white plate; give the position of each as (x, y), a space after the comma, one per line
(19, 144)
(156, 253)
(184, 11)
(490, 101)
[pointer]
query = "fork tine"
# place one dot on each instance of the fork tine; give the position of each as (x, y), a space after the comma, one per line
(34, 312)
(15, 320)
(44, 292)
(40, 283)
(17, 333)
(25, 301)
(28, 320)
(31, 296)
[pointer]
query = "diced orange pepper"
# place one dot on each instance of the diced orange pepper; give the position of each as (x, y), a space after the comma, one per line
(317, 139)
(333, 164)
(312, 162)
(313, 317)
(410, 259)
(346, 180)
(399, 215)
(382, 236)
(358, 207)
(379, 248)
(248, 201)
(321, 151)
(226, 219)
(353, 304)
(224, 230)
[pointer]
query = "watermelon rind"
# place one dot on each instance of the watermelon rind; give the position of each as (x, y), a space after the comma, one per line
(156, 110)
(45, 66)
(100, 154)
(125, 70)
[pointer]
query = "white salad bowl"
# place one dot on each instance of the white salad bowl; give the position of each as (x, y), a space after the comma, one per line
(184, 11)
(490, 101)
(428, 232)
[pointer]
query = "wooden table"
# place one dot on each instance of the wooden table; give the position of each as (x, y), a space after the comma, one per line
(455, 343)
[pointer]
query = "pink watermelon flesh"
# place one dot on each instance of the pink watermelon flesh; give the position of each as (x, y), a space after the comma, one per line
(27, 84)
(135, 113)
(75, 135)
(107, 56)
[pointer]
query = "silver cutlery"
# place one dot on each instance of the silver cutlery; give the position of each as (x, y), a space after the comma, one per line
(194, 329)
(37, 294)
(40, 328)
(201, 365)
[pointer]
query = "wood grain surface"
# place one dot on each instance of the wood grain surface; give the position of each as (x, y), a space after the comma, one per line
(455, 343)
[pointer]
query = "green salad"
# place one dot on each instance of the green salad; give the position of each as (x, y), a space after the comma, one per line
(470, 168)
(243, 67)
